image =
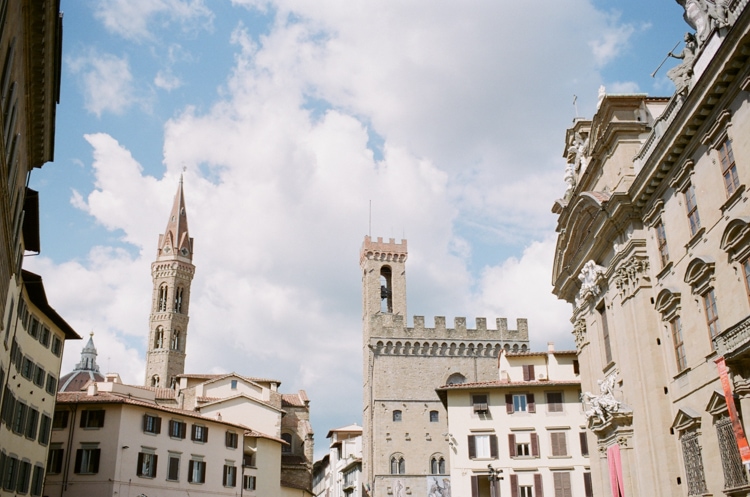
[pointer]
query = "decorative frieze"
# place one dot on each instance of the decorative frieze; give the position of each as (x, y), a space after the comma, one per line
(579, 333)
(628, 277)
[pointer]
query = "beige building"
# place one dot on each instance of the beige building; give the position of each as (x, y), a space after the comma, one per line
(339, 473)
(523, 433)
(652, 253)
(404, 422)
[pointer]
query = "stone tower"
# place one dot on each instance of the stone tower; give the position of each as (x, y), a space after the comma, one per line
(405, 439)
(172, 273)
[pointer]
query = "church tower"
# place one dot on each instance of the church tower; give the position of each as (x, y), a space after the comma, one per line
(172, 272)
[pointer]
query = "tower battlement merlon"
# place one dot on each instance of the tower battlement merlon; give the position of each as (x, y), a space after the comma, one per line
(383, 251)
(386, 325)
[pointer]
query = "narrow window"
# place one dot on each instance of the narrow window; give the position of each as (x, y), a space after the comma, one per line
(55, 459)
(386, 290)
(196, 471)
(746, 271)
(151, 424)
(231, 439)
(434, 416)
(398, 465)
(173, 467)
(437, 465)
(248, 483)
(178, 300)
(44, 429)
(692, 210)
(712, 315)
(51, 385)
(159, 338)
(56, 346)
(679, 345)
(605, 334)
(37, 481)
(162, 300)
(396, 415)
(230, 475)
(661, 243)
(728, 167)
(32, 423)
(24, 473)
(11, 473)
(146, 466)
(175, 339)
(528, 372)
(87, 460)
(287, 437)
(584, 443)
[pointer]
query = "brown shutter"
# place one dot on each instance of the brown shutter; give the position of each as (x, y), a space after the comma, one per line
(224, 476)
(472, 448)
(158, 425)
(205, 434)
(509, 403)
(145, 422)
(588, 488)
(563, 444)
(493, 446)
(576, 367)
(227, 441)
(530, 405)
(512, 445)
(534, 445)
(538, 489)
(95, 458)
(513, 485)
(192, 432)
(156, 460)
(474, 486)
(139, 467)
(554, 443)
(584, 443)
(526, 375)
(203, 472)
(532, 376)
(79, 456)
(191, 464)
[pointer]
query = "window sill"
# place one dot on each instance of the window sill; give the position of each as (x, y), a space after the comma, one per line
(682, 373)
(733, 199)
(561, 457)
(606, 369)
(176, 438)
(147, 477)
(697, 237)
(483, 458)
(522, 458)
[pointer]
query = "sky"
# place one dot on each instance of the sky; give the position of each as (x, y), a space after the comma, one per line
(300, 127)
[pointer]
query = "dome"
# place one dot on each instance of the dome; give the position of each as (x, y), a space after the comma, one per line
(84, 372)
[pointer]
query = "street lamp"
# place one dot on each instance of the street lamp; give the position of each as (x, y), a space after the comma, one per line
(494, 477)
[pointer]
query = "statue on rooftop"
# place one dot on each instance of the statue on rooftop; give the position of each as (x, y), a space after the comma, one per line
(683, 73)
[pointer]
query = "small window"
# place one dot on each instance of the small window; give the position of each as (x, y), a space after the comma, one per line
(24, 473)
(27, 368)
(175, 340)
(173, 467)
(196, 471)
(554, 402)
(87, 460)
(11, 473)
(44, 337)
(200, 433)
(92, 419)
(56, 345)
(437, 465)
(434, 416)
(32, 423)
(231, 439)
(728, 167)
(523, 449)
(661, 243)
(230, 475)
(34, 327)
(44, 429)
(396, 415)
(51, 384)
(525, 491)
(60, 420)
(584, 443)
(39, 375)
(176, 429)
(712, 315)
(37, 481)
(528, 372)
(248, 483)
(151, 424)
(19, 418)
(287, 447)
(55, 459)
(234, 384)
(480, 403)
(679, 344)
(146, 465)
(398, 465)
(692, 210)
(519, 403)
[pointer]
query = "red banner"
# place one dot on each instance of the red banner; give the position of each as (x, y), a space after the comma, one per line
(739, 433)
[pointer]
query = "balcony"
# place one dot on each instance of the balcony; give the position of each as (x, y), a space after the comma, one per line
(734, 341)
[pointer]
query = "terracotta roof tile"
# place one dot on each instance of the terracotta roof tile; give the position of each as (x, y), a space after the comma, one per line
(508, 384)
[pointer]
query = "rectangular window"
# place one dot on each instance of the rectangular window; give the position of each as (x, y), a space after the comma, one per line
(728, 167)
(56, 346)
(24, 474)
(32, 423)
(51, 384)
(584, 443)
(554, 402)
(200, 433)
(679, 345)
(19, 418)
(231, 439)
(44, 428)
(10, 474)
(746, 270)
(34, 327)
(562, 484)
(9, 405)
(146, 466)
(196, 471)
(37, 481)
(55, 459)
(248, 483)
(151, 424)
(27, 368)
(712, 315)
(39, 375)
(44, 336)
(479, 401)
(605, 334)
(434, 416)
(233, 384)
(523, 449)
(588, 487)
(230, 475)
(176, 429)
(87, 460)
(559, 443)
(173, 467)
(692, 210)
(528, 372)
(483, 446)
(60, 420)
(519, 403)
(92, 418)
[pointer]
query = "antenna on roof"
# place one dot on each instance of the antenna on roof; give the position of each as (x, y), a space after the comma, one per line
(575, 106)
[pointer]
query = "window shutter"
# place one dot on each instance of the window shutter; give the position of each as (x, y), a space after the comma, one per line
(227, 441)
(205, 434)
(509, 403)
(183, 429)
(191, 466)
(538, 489)
(534, 445)
(512, 445)
(530, 405)
(95, 458)
(100, 418)
(493, 446)
(513, 485)
(173, 468)
(588, 488)
(472, 447)
(84, 418)
(563, 444)
(576, 367)
(153, 470)
(474, 486)
(555, 444)
(193, 429)
(224, 476)
(145, 422)
(584, 443)
(139, 465)
(79, 455)
(525, 372)
(203, 472)
(158, 425)
(532, 376)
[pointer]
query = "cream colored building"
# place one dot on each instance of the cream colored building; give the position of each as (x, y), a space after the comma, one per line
(404, 422)
(339, 473)
(527, 425)
(652, 253)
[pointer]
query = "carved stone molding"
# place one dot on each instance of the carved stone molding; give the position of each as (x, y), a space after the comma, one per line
(579, 333)
(629, 276)
(590, 276)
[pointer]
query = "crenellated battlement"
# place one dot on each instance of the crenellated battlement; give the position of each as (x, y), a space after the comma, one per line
(383, 251)
(394, 326)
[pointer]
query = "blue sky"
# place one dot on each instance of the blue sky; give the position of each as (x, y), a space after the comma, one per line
(288, 117)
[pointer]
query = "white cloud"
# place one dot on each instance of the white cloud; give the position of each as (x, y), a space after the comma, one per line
(167, 81)
(131, 19)
(105, 80)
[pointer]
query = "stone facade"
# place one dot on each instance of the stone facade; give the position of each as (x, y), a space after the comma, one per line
(652, 253)
(404, 422)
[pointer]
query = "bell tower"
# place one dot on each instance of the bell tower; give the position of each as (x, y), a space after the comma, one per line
(172, 272)
(383, 277)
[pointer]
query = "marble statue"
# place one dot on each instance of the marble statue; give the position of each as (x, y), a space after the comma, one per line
(604, 404)
(682, 74)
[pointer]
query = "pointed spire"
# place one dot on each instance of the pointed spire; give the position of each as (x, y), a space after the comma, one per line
(88, 356)
(176, 241)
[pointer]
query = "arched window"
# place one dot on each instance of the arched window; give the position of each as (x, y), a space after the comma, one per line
(396, 415)
(162, 300)
(175, 340)
(437, 465)
(155, 381)
(456, 379)
(386, 290)
(287, 437)
(398, 465)
(178, 300)
(159, 338)
(434, 416)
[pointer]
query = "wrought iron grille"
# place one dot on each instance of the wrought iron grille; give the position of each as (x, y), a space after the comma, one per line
(734, 471)
(691, 453)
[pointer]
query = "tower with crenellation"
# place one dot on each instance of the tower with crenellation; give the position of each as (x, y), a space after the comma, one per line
(405, 430)
(172, 273)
